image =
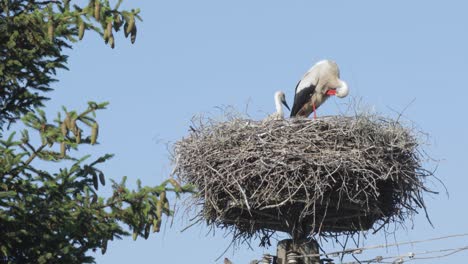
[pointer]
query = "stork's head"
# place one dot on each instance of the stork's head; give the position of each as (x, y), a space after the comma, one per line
(340, 91)
(343, 90)
(281, 97)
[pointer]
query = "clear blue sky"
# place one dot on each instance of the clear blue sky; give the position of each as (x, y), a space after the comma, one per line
(191, 56)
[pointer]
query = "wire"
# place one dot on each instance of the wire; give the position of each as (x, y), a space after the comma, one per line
(411, 256)
(397, 259)
(361, 249)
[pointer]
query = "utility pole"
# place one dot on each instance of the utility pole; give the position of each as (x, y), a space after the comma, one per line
(291, 251)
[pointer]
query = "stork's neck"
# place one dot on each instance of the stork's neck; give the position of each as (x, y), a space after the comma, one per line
(279, 107)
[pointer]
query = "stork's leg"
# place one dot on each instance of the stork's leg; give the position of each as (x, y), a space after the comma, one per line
(315, 114)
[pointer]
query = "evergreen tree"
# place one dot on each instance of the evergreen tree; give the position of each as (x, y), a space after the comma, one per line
(58, 217)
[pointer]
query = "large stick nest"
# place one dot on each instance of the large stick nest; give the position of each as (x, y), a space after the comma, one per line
(333, 175)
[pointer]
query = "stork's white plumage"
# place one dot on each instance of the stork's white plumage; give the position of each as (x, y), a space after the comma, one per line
(320, 82)
(280, 98)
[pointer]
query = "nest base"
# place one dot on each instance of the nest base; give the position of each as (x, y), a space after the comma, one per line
(333, 175)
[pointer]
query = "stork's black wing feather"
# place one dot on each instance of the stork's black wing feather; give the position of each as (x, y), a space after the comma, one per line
(301, 98)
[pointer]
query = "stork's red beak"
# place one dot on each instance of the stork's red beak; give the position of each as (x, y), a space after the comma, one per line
(331, 92)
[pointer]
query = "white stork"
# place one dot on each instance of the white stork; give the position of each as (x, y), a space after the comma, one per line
(319, 83)
(280, 98)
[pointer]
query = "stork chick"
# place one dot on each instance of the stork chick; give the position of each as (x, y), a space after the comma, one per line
(280, 99)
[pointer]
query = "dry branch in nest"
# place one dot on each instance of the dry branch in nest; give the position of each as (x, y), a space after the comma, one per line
(334, 175)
